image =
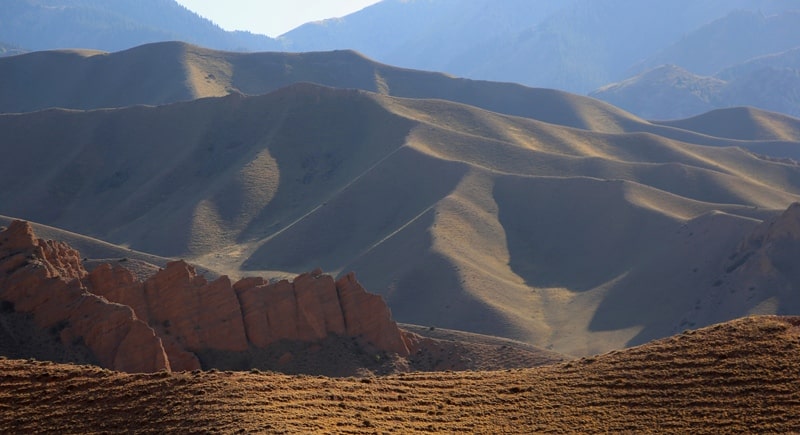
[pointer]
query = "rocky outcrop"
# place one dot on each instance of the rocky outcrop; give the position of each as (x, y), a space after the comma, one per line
(762, 276)
(45, 278)
(312, 307)
(377, 327)
(772, 249)
(160, 323)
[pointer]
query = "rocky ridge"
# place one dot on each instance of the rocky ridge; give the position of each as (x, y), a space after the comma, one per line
(768, 253)
(761, 274)
(160, 323)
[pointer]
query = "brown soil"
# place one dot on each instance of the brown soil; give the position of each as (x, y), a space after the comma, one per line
(739, 376)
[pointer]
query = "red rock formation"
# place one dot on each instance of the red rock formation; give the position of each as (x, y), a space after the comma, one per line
(313, 307)
(119, 285)
(44, 278)
(200, 314)
(367, 315)
(160, 323)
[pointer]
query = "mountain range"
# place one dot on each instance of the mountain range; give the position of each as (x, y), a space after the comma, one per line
(578, 45)
(550, 219)
(743, 59)
(36, 25)
(413, 251)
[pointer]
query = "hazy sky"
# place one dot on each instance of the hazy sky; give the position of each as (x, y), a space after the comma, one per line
(271, 17)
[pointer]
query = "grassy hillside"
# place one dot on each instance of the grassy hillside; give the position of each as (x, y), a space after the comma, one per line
(734, 377)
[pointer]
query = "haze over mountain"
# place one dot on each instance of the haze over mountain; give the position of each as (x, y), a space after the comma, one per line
(737, 37)
(575, 45)
(114, 25)
(579, 220)
(753, 58)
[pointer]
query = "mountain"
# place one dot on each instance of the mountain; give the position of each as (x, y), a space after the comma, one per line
(114, 25)
(753, 58)
(739, 376)
(733, 39)
(769, 82)
(576, 45)
(666, 92)
(579, 229)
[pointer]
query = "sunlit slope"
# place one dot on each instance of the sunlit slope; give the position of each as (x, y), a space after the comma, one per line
(742, 123)
(461, 218)
(736, 377)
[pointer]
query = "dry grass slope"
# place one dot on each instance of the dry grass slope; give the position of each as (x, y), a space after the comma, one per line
(578, 230)
(735, 377)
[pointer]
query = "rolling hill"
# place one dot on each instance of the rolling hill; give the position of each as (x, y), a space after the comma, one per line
(581, 239)
(168, 72)
(735, 377)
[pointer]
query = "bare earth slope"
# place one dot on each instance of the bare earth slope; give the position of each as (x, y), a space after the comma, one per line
(561, 237)
(734, 377)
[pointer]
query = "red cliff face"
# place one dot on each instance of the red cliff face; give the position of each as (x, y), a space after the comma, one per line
(158, 324)
(45, 278)
(312, 307)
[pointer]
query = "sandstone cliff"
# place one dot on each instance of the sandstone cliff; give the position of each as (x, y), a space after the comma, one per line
(46, 278)
(161, 322)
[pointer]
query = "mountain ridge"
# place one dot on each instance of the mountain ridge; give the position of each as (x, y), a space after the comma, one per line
(737, 376)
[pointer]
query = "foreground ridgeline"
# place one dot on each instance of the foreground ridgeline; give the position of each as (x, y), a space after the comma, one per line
(737, 377)
(164, 321)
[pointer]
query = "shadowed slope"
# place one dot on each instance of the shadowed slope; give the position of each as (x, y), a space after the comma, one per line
(734, 377)
(93, 79)
(89, 247)
(459, 217)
